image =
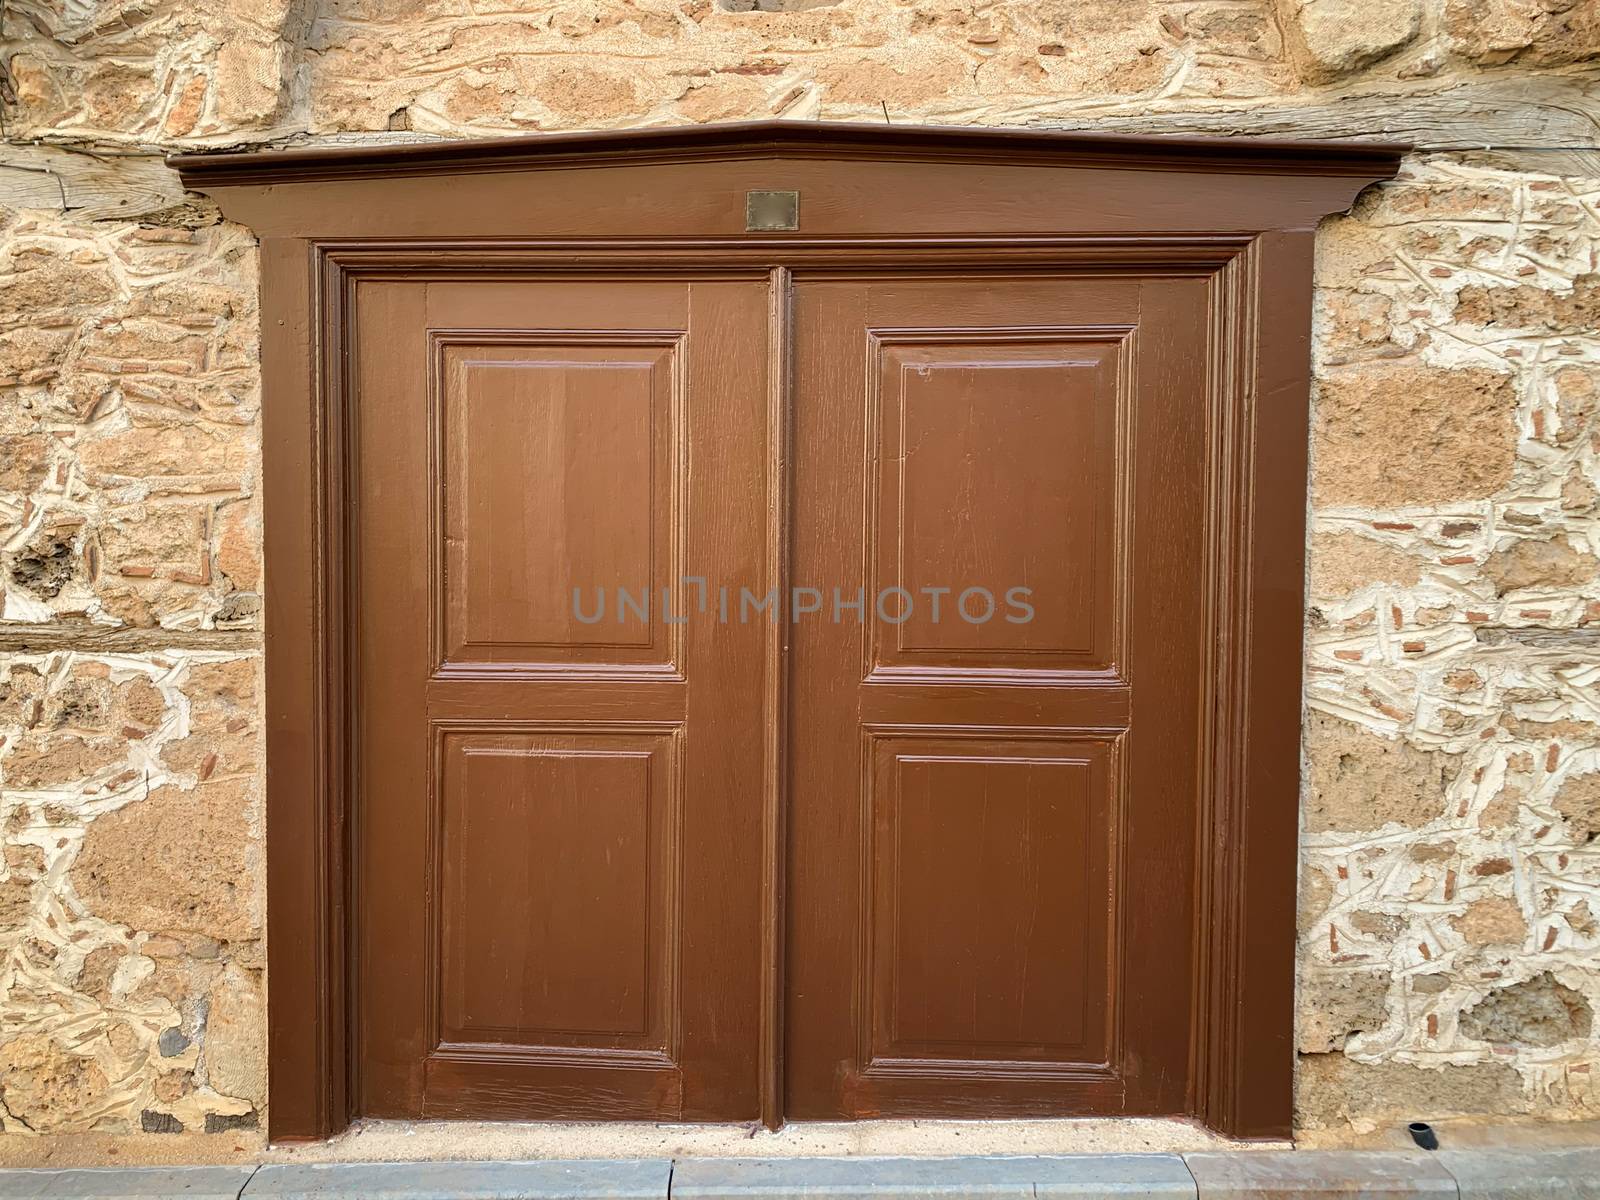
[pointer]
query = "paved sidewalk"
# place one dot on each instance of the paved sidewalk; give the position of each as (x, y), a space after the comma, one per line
(1570, 1174)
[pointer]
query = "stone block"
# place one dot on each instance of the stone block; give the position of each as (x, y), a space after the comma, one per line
(1495, 921)
(173, 861)
(1540, 1011)
(1551, 33)
(1332, 1089)
(1578, 802)
(48, 1087)
(1330, 38)
(1336, 1002)
(236, 1036)
(1342, 563)
(1392, 434)
(1361, 780)
(1540, 564)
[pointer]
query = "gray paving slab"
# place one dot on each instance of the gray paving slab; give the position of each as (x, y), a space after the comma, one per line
(1087, 1176)
(1573, 1174)
(1297, 1174)
(127, 1183)
(641, 1179)
(1083, 1177)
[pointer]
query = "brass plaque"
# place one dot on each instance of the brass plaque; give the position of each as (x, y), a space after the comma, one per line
(765, 211)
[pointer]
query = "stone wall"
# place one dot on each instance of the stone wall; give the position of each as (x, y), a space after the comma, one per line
(1451, 918)
(1451, 898)
(131, 904)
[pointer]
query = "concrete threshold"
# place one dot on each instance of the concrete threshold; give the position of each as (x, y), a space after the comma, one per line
(372, 1140)
(1571, 1174)
(383, 1140)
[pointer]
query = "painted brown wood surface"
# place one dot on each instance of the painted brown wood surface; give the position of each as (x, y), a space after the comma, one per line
(738, 140)
(557, 875)
(993, 820)
(1249, 816)
(308, 788)
(926, 268)
(899, 180)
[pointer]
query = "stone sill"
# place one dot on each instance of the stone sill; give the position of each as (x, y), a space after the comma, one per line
(1260, 1174)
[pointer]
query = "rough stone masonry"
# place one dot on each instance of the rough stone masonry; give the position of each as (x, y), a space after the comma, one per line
(1450, 956)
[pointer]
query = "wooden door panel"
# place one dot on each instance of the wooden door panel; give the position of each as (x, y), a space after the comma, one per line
(557, 866)
(561, 468)
(947, 406)
(557, 876)
(992, 819)
(987, 933)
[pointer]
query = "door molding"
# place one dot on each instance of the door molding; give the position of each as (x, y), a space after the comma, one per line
(1256, 394)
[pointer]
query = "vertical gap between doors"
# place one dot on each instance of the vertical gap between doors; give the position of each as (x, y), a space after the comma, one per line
(775, 701)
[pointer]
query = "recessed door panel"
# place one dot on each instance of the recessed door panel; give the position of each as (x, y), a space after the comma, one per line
(996, 499)
(990, 901)
(558, 885)
(560, 465)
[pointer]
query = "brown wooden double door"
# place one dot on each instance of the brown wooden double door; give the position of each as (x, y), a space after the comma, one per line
(786, 677)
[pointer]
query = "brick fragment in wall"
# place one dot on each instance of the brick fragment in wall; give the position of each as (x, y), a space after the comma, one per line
(131, 896)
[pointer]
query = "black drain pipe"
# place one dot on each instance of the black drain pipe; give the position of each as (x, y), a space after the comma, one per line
(1423, 1135)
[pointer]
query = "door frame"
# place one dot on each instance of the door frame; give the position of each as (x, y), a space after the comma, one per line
(1257, 413)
